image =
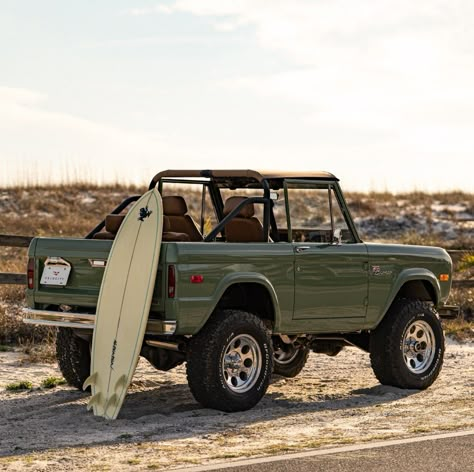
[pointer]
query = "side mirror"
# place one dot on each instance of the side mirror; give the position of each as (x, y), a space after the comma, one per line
(337, 236)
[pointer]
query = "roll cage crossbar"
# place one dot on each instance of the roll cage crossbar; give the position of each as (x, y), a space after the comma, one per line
(221, 225)
(115, 211)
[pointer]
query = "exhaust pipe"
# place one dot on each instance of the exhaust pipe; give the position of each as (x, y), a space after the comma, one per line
(178, 347)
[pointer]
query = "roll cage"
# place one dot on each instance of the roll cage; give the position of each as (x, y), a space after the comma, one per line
(215, 180)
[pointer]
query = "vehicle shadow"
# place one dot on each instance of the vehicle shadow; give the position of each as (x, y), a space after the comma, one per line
(45, 420)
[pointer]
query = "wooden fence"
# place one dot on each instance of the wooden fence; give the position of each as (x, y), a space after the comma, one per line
(24, 241)
(14, 241)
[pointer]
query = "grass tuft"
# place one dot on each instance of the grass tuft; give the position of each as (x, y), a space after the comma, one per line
(18, 386)
(52, 382)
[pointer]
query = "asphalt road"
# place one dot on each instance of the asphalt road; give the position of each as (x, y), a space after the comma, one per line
(446, 452)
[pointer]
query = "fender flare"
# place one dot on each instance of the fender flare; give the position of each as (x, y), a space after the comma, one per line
(242, 278)
(408, 275)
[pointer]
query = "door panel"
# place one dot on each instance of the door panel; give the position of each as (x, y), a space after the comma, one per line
(331, 281)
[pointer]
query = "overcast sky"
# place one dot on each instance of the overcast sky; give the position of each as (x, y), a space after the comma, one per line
(381, 93)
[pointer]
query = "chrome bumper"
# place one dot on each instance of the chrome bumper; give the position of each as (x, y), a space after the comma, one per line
(85, 321)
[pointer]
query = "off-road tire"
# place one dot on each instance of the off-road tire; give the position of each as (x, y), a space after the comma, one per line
(74, 358)
(293, 366)
(389, 353)
(208, 361)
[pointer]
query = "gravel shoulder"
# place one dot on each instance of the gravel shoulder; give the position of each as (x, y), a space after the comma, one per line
(335, 400)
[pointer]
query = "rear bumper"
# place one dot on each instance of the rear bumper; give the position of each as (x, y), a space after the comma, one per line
(85, 321)
(449, 312)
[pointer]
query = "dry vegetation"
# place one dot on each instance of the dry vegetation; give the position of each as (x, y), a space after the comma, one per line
(444, 219)
(45, 425)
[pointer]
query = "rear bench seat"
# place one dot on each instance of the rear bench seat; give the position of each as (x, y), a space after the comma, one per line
(113, 222)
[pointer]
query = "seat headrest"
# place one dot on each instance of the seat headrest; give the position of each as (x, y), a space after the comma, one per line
(174, 205)
(113, 222)
(247, 211)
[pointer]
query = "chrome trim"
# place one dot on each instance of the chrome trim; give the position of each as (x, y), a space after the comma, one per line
(85, 321)
(302, 248)
(98, 263)
(61, 324)
(59, 315)
(54, 260)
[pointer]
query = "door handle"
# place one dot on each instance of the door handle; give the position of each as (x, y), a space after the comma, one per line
(302, 248)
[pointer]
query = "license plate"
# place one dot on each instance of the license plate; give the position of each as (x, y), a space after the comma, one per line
(55, 275)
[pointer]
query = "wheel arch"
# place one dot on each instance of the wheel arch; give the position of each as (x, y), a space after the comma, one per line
(251, 292)
(413, 284)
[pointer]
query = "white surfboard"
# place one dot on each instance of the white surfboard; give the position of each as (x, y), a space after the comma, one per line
(124, 304)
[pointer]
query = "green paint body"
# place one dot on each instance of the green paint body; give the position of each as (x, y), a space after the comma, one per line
(327, 288)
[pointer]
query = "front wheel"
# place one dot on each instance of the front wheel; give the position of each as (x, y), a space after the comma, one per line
(230, 361)
(407, 348)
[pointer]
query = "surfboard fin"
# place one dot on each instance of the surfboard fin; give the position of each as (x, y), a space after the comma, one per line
(112, 401)
(121, 382)
(89, 381)
(94, 400)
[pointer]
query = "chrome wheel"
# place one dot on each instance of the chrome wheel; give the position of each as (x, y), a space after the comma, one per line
(419, 347)
(285, 355)
(242, 363)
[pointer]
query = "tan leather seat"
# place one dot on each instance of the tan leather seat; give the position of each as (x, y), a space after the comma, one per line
(244, 228)
(170, 235)
(112, 225)
(175, 208)
(113, 222)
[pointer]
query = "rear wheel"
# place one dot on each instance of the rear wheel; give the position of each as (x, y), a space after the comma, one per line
(407, 348)
(289, 360)
(230, 362)
(73, 355)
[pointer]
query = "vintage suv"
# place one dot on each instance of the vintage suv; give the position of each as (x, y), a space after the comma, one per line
(256, 270)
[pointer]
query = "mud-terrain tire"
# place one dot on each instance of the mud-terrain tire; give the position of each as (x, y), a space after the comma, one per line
(407, 348)
(74, 358)
(230, 361)
(289, 362)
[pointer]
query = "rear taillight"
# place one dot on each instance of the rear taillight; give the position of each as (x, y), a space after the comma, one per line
(171, 281)
(30, 273)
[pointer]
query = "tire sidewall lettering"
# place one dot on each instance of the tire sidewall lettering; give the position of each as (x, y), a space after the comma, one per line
(265, 367)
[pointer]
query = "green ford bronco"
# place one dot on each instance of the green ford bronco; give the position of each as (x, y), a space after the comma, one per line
(256, 270)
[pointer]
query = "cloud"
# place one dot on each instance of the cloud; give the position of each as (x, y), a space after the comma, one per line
(155, 10)
(10, 96)
(366, 62)
(402, 68)
(47, 143)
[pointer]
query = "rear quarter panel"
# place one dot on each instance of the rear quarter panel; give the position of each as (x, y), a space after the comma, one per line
(224, 264)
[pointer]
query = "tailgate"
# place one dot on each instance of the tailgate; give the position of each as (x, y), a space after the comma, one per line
(87, 269)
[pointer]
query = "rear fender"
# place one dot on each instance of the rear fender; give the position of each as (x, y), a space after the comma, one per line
(243, 278)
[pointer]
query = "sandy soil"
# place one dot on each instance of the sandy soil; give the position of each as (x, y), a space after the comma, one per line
(333, 401)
